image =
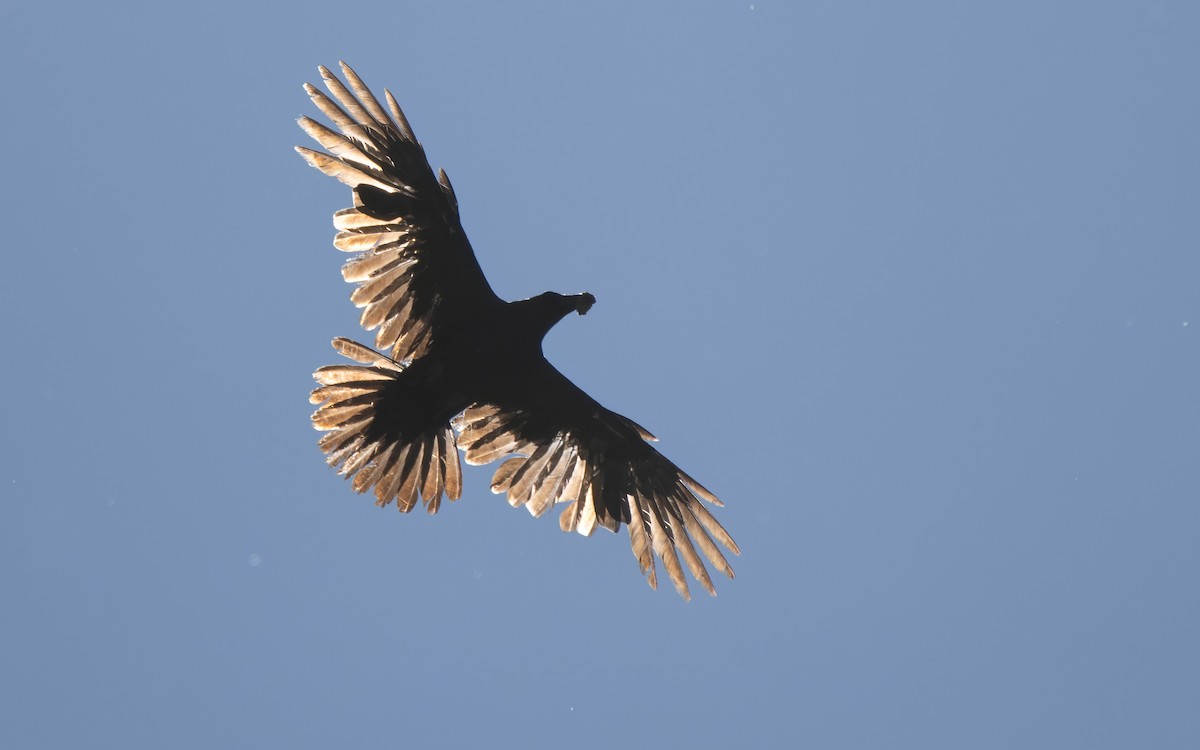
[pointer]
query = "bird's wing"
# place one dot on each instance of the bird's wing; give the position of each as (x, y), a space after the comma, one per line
(564, 447)
(416, 272)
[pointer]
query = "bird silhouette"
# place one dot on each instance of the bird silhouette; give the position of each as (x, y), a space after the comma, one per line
(466, 369)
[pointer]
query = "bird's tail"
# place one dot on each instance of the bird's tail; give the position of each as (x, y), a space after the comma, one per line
(401, 469)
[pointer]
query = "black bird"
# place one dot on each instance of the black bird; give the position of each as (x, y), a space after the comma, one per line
(464, 360)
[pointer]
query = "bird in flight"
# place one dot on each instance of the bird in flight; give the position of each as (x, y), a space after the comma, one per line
(466, 369)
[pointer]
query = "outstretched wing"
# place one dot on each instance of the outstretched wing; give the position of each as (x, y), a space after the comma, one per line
(416, 272)
(570, 449)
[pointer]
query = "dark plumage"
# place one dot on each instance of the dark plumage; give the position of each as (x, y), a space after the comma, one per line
(464, 360)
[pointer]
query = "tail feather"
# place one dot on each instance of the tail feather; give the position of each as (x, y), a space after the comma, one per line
(400, 469)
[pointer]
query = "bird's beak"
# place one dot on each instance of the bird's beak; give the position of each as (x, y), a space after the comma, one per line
(584, 302)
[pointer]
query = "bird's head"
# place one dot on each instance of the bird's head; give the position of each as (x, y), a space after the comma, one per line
(548, 308)
(561, 304)
(583, 302)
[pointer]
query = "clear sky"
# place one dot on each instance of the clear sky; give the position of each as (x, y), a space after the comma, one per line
(913, 287)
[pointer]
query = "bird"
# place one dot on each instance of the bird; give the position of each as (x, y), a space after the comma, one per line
(465, 370)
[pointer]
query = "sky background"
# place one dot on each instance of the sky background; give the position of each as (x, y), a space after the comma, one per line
(912, 287)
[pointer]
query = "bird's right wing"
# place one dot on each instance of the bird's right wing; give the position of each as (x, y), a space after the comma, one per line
(416, 272)
(565, 448)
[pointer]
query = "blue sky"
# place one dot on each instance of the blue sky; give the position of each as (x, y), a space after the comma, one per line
(912, 287)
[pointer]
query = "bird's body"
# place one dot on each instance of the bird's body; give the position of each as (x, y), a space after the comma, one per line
(464, 361)
(487, 361)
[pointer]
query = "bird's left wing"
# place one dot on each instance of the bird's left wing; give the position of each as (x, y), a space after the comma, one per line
(564, 447)
(417, 274)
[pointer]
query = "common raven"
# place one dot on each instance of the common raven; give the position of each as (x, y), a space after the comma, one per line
(463, 360)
